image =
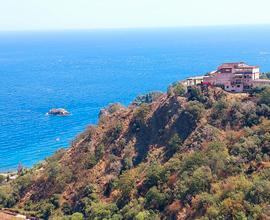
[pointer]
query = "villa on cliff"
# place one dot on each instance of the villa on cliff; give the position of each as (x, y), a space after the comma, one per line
(233, 77)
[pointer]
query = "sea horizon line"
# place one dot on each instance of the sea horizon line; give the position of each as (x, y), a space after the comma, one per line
(267, 25)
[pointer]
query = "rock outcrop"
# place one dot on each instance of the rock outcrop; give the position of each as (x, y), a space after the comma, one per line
(58, 111)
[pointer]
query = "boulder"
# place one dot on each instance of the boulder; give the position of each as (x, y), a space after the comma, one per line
(58, 111)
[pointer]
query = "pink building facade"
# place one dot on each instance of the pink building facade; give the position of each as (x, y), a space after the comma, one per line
(235, 77)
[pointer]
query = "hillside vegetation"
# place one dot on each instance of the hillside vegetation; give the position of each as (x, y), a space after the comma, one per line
(200, 154)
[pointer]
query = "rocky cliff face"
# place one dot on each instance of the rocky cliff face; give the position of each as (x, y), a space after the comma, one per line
(203, 153)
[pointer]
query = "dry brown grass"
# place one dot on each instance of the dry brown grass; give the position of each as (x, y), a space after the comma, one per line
(4, 216)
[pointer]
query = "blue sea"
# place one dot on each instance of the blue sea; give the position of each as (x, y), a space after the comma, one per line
(84, 71)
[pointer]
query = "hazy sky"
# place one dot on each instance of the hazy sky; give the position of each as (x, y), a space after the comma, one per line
(80, 14)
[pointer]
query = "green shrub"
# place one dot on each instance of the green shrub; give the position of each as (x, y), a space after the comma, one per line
(127, 186)
(147, 215)
(250, 118)
(195, 94)
(265, 75)
(94, 158)
(218, 115)
(205, 200)
(140, 116)
(7, 198)
(246, 148)
(54, 199)
(196, 109)
(114, 108)
(100, 211)
(174, 144)
(147, 98)
(82, 204)
(21, 184)
(200, 180)
(156, 173)
(2, 179)
(188, 119)
(117, 130)
(263, 110)
(189, 186)
(193, 161)
(264, 96)
(77, 216)
(141, 113)
(218, 158)
(127, 162)
(45, 210)
(99, 152)
(56, 156)
(91, 162)
(177, 89)
(260, 192)
(53, 170)
(66, 208)
(155, 199)
(134, 207)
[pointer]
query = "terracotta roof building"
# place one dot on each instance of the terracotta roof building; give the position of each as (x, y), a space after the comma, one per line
(235, 77)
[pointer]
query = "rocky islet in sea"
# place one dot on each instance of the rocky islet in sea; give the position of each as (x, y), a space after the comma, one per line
(58, 112)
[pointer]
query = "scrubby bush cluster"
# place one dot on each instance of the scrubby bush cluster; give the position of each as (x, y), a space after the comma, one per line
(178, 89)
(147, 98)
(213, 162)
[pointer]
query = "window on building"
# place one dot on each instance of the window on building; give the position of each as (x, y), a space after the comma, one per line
(238, 86)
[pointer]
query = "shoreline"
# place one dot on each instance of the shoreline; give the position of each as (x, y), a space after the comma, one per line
(12, 175)
(5, 173)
